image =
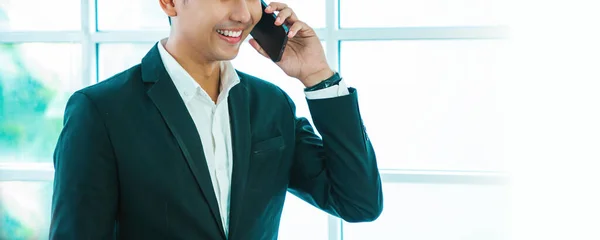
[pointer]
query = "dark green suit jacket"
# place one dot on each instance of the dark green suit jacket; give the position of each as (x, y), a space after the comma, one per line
(130, 164)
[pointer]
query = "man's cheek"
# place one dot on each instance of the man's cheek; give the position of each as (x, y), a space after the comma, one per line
(256, 18)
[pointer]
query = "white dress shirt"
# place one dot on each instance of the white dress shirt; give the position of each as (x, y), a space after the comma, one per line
(212, 121)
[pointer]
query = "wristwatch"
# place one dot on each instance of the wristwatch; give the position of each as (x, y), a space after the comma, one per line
(331, 81)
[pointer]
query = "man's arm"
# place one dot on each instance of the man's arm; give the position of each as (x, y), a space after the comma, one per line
(337, 173)
(84, 202)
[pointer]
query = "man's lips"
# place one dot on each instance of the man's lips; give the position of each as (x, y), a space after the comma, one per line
(236, 38)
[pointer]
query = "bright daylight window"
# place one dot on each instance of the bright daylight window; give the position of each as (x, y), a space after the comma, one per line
(426, 72)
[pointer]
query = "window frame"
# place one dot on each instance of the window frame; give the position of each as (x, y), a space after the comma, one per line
(332, 35)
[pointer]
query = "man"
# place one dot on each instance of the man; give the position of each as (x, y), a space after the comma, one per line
(183, 146)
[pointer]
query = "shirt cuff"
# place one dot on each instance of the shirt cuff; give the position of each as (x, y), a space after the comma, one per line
(334, 91)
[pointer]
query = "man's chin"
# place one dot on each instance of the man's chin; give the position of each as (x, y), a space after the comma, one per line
(229, 55)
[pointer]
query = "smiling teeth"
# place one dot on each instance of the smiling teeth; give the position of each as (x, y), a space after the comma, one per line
(230, 33)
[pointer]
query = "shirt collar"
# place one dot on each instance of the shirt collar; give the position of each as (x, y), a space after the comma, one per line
(185, 84)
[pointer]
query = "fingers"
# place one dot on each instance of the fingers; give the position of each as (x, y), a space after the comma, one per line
(285, 14)
(288, 16)
(275, 6)
(297, 27)
(257, 47)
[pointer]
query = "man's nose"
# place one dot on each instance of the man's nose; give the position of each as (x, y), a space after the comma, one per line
(241, 12)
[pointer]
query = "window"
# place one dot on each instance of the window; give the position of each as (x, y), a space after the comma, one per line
(423, 13)
(117, 57)
(437, 211)
(17, 15)
(115, 15)
(444, 114)
(426, 74)
(24, 209)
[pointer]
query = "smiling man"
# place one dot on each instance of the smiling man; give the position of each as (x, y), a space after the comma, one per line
(184, 146)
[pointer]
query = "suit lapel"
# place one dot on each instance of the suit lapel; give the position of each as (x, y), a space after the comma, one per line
(167, 100)
(239, 113)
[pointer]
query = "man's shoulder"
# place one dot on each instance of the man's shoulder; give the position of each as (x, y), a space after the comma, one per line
(266, 95)
(259, 86)
(115, 87)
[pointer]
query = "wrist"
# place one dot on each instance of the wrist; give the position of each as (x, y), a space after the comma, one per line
(317, 77)
(331, 81)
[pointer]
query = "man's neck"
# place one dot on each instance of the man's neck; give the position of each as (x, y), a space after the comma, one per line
(205, 73)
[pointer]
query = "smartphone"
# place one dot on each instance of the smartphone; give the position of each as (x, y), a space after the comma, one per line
(270, 37)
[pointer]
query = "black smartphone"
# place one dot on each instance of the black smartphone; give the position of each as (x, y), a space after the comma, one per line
(270, 37)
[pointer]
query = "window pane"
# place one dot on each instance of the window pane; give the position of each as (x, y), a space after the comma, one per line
(33, 15)
(148, 15)
(114, 58)
(429, 105)
(301, 221)
(116, 15)
(437, 211)
(407, 13)
(36, 80)
(25, 210)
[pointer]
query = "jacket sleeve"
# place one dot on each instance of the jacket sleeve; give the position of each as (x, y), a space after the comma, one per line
(337, 173)
(84, 201)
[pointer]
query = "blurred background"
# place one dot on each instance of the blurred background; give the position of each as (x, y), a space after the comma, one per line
(436, 63)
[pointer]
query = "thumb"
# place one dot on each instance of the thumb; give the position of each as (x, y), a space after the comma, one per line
(257, 47)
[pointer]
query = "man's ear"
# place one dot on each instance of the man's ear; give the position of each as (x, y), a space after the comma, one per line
(168, 6)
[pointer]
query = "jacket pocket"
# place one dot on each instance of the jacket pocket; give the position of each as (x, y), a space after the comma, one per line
(268, 145)
(265, 163)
